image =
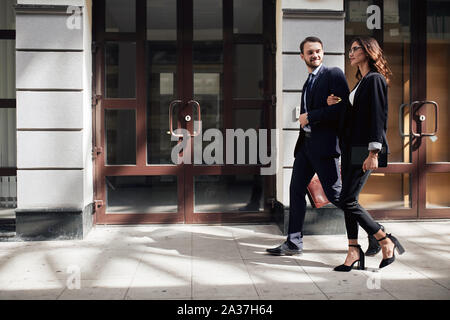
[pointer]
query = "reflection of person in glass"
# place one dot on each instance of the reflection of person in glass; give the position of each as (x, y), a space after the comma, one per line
(364, 123)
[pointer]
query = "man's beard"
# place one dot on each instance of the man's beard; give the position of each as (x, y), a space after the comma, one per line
(311, 65)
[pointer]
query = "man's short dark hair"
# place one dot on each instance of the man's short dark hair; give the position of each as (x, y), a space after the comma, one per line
(310, 39)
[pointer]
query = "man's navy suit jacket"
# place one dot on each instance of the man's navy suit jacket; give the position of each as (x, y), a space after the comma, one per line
(324, 120)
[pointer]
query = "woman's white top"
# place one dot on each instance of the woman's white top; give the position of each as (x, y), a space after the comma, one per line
(351, 97)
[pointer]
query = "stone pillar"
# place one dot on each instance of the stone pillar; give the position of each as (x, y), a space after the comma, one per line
(301, 18)
(54, 119)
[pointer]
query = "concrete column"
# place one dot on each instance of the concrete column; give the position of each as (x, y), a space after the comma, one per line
(54, 119)
(297, 19)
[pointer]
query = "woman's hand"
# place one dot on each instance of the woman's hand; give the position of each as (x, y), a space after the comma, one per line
(371, 162)
(333, 100)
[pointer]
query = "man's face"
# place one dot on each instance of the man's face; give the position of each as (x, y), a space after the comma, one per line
(312, 54)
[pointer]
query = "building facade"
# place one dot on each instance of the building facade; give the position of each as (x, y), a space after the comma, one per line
(96, 95)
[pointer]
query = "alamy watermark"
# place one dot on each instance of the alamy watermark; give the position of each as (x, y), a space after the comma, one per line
(74, 21)
(374, 280)
(213, 153)
(74, 279)
(374, 20)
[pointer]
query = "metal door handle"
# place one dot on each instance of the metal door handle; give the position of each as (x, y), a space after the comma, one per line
(199, 118)
(411, 116)
(401, 122)
(413, 111)
(172, 104)
(436, 108)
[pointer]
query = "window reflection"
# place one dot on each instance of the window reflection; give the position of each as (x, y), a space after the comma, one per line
(386, 191)
(249, 119)
(162, 20)
(248, 71)
(120, 69)
(120, 137)
(397, 46)
(228, 193)
(208, 64)
(141, 194)
(438, 190)
(120, 16)
(8, 197)
(8, 15)
(7, 69)
(8, 133)
(248, 16)
(162, 81)
(208, 20)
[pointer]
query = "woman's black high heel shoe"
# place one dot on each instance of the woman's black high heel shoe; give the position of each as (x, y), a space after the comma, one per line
(361, 261)
(374, 246)
(397, 245)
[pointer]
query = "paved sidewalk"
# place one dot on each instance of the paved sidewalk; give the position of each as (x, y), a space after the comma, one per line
(222, 262)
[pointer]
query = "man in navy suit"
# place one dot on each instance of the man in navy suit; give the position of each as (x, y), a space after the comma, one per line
(317, 148)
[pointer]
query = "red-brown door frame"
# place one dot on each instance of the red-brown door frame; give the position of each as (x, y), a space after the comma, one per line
(139, 105)
(418, 168)
(419, 93)
(230, 105)
(185, 172)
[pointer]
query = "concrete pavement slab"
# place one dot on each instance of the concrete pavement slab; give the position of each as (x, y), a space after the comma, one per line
(112, 289)
(280, 278)
(223, 262)
(221, 278)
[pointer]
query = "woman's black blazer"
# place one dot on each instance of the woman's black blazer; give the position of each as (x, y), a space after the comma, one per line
(366, 120)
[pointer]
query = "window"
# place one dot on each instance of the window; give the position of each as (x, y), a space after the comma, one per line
(8, 164)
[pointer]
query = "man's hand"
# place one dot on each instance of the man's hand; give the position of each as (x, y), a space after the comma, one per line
(303, 120)
(371, 162)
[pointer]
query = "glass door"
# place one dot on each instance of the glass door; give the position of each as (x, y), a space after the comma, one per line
(172, 76)
(232, 82)
(426, 116)
(137, 75)
(415, 37)
(433, 116)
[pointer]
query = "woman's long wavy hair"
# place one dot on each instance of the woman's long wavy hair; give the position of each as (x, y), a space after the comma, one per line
(375, 56)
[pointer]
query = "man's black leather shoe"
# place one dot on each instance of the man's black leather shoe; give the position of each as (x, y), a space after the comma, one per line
(286, 249)
(374, 246)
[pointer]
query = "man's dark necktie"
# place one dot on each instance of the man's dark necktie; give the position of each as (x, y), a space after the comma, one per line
(309, 83)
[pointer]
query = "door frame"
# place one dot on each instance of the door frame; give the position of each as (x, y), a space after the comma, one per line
(419, 15)
(184, 172)
(139, 105)
(418, 167)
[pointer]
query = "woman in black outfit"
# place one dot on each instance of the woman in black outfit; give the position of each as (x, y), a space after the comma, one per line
(364, 125)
